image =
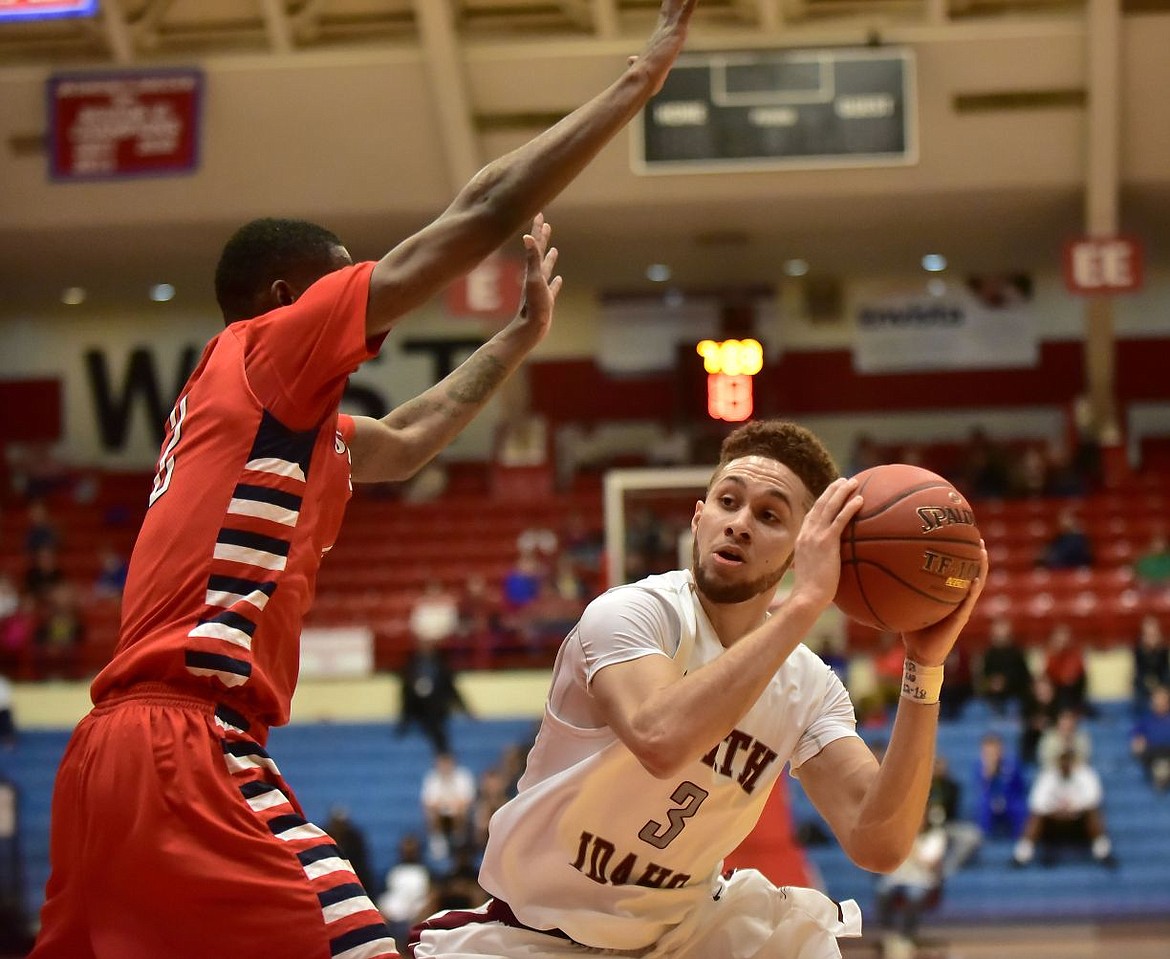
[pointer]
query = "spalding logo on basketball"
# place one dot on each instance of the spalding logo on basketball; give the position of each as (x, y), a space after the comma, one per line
(910, 554)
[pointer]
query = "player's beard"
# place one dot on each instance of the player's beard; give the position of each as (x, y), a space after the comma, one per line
(724, 592)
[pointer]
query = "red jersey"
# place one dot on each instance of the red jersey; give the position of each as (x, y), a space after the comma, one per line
(250, 491)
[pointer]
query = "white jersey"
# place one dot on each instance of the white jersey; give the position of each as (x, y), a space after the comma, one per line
(595, 846)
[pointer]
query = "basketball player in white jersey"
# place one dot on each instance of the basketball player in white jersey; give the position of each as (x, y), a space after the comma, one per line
(675, 704)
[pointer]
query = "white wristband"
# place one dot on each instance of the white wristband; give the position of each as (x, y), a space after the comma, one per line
(921, 684)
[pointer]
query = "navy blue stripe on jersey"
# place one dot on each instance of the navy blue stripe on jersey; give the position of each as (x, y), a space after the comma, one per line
(234, 620)
(248, 540)
(275, 440)
(232, 718)
(358, 937)
(224, 664)
(254, 788)
(238, 584)
(347, 890)
(243, 747)
(278, 824)
(315, 854)
(263, 494)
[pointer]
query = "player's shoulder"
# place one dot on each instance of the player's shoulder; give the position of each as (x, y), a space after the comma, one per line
(671, 588)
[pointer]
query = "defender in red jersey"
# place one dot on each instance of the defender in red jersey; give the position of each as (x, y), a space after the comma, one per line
(174, 834)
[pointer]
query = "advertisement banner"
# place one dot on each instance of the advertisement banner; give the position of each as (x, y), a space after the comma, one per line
(986, 325)
(115, 125)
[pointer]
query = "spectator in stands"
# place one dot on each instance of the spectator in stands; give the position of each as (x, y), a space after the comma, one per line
(18, 637)
(1064, 809)
(584, 545)
(887, 670)
(1151, 739)
(960, 685)
(351, 842)
(1064, 665)
(42, 532)
(458, 887)
(1001, 791)
(945, 802)
(43, 573)
(543, 623)
(1029, 473)
(648, 547)
(538, 541)
(9, 598)
(523, 440)
(430, 692)
(7, 714)
(984, 471)
(1039, 714)
(407, 895)
(1004, 676)
(434, 617)
(490, 794)
(59, 635)
(448, 790)
(904, 894)
(479, 626)
(1151, 662)
(1069, 548)
(1068, 474)
(1066, 735)
(522, 582)
(111, 575)
(1152, 567)
(864, 455)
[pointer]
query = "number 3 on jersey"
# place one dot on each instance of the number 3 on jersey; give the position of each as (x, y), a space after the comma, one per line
(689, 797)
(166, 461)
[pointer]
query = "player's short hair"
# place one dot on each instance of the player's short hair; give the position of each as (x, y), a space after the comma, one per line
(264, 251)
(787, 443)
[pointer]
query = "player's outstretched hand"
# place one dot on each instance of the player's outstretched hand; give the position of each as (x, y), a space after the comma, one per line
(817, 558)
(932, 645)
(666, 42)
(540, 286)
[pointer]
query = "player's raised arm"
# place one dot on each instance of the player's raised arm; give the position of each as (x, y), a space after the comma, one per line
(510, 190)
(402, 442)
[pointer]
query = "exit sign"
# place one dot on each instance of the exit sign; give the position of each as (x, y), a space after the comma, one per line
(1103, 265)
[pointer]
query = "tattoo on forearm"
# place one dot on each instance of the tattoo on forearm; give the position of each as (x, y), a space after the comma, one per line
(480, 376)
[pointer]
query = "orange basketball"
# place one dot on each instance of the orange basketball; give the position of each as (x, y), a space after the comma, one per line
(910, 554)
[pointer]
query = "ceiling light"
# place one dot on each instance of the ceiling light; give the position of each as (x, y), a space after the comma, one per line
(796, 267)
(73, 295)
(658, 272)
(934, 262)
(162, 292)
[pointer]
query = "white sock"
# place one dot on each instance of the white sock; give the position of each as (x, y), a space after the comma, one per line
(1102, 847)
(1024, 851)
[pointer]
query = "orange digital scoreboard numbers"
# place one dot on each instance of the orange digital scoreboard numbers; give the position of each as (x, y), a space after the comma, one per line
(730, 366)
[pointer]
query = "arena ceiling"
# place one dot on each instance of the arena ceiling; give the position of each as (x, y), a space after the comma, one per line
(493, 73)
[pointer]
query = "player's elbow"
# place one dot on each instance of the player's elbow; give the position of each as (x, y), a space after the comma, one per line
(879, 857)
(659, 755)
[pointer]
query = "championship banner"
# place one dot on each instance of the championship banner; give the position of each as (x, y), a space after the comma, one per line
(987, 325)
(114, 125)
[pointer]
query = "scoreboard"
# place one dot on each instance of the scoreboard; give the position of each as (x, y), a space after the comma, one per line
(771, 109)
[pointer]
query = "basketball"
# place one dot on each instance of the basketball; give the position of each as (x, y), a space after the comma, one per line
(910, 554)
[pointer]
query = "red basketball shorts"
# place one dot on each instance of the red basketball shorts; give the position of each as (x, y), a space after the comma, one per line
(174, 836)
